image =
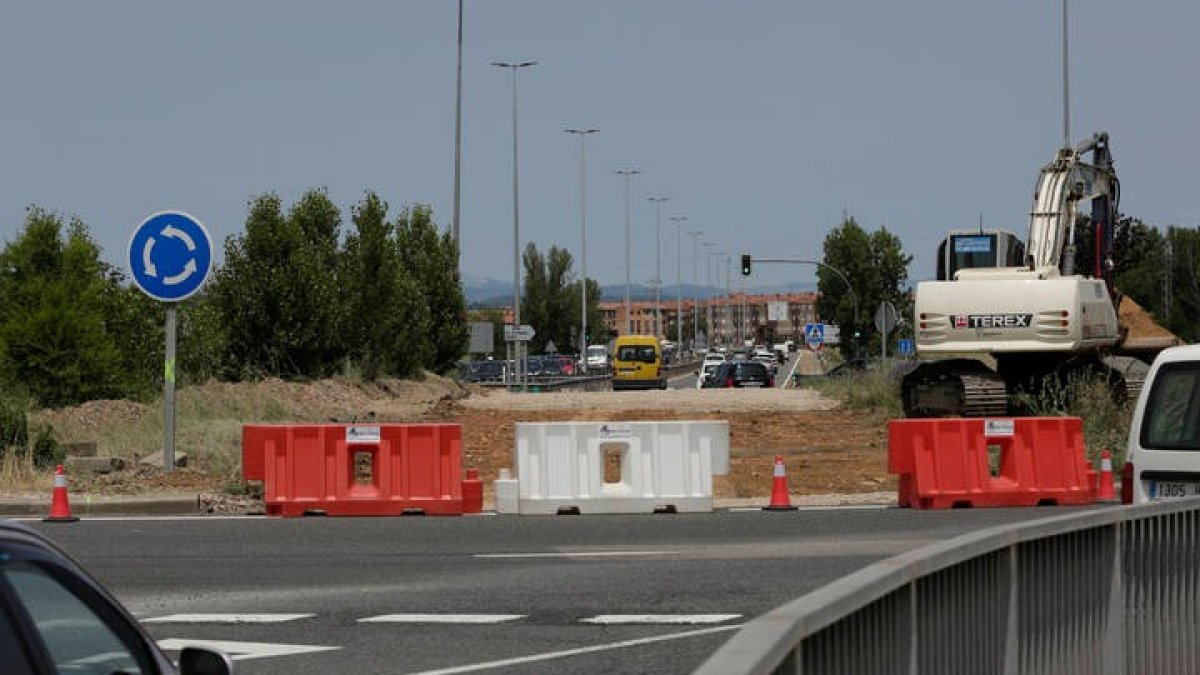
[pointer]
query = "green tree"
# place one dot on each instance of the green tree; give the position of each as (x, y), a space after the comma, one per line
(431, 259)
(860, 271)
(388, 320)
(551, 300)
(54, 341)
(278, 294)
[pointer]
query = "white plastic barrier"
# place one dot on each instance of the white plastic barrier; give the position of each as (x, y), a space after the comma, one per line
(616, 467)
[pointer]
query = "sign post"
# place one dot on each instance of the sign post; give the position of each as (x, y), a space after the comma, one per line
(885, 322)
(170, 256)
(814, 335)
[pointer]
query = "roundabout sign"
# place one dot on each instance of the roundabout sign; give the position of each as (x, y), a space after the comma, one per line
(170, 255)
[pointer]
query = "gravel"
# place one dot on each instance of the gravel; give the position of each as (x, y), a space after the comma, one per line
(682, 400)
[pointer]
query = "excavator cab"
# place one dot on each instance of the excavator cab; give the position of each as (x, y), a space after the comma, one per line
(965, 249)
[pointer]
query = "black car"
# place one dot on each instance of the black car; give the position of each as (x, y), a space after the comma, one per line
(740, 374)
(55, 618)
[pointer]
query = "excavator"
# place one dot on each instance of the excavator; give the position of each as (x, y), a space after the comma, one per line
(1005, 315)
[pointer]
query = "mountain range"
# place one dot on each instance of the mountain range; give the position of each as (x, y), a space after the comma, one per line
(485, 292)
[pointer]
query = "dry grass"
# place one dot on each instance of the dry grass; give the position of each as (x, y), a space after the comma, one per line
(209, 419)
(19, 475)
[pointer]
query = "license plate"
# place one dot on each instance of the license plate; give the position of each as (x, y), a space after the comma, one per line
(752, 383)
(1173, 490)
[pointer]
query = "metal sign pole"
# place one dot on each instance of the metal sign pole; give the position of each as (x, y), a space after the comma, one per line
(169, 392)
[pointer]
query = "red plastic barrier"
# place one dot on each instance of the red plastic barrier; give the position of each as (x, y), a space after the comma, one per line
(356, 470)
(472, 491)
(943, 463)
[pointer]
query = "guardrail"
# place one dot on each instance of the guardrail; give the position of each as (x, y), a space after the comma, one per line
(1109, 591)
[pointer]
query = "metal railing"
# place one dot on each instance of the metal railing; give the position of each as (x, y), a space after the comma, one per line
(1114, 591)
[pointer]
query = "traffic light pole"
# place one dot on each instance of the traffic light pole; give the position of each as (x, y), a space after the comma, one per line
(747, 260)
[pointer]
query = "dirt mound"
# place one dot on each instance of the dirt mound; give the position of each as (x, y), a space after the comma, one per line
(1141, 324)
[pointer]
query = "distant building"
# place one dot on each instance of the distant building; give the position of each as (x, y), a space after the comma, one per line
(733, 318)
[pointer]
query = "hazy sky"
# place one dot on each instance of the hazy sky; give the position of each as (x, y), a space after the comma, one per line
(763, 121)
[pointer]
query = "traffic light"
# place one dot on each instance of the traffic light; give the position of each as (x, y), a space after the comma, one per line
(745, 264)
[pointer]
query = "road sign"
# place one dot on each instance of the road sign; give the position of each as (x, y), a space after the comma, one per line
(551, 348)
(481, 338)
(833, 334)
(814, 335)
(170, 255)
(885, 317)
(777, 310)
(905, 346)
(522, 333)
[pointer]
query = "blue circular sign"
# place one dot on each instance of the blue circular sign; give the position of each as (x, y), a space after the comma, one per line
(170, 255)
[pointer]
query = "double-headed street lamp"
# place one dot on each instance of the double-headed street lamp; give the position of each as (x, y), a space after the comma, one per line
(582, 133)
(513, 67)
(628, 174)
(659, 208)
(712, 330)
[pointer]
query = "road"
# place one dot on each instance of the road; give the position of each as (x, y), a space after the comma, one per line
(527, 594)
(688, 380)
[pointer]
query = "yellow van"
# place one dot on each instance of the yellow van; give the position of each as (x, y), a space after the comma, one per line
(637, 363)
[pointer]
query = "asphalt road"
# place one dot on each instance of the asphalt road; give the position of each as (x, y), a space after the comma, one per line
(570, 587)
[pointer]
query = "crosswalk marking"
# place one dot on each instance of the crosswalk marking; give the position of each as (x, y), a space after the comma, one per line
(241, 651)
(227, 618)
(442, 618)
(613, 619)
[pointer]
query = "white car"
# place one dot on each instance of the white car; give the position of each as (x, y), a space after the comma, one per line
(597, 357)
(1163, 460)
(712, 357)
(706, 371)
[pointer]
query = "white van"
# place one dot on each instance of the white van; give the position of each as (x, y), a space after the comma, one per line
(597, 357)
(1163, 460)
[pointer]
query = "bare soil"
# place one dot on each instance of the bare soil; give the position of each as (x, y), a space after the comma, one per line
(827, 449)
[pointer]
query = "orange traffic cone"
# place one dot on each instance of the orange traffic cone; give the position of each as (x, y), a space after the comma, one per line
(779, 493)
(60, 508)
(1105, 488)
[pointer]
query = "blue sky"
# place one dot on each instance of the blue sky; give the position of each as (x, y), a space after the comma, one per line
(762, 121)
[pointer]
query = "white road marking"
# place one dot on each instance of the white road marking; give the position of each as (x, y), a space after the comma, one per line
(521, 660)
(243, 651)
(572, 554)
(442, 618)
(616, 619)
(227, 618)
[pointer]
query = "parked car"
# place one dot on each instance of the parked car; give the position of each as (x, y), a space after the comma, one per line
(738, 374)
(56, 618)
(480, 371)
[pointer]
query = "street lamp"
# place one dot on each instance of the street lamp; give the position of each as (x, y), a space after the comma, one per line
(513, 67)
(659, 208)
(627, 174)
(458, 135)
(712, 329)
(582, 133)
(695, 235)
(679, 222)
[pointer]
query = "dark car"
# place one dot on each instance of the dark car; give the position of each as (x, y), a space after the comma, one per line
(740, 374)
(55, 618)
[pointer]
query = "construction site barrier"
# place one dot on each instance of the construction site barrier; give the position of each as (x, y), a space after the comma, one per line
(616, 467)
(356, 470)
(1012, 461)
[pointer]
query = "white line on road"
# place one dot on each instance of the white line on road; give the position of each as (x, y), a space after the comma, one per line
(241, 651)
(227, 618)
(618, 619)
(442, 618)
(572, 554)
(505, 663)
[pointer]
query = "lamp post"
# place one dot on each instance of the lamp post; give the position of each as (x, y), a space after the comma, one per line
(514, 67)
(659, 208)
(712, 329)
(695, 235)
(582, 133)
(458, 135)
(627, 174)
(679, 222)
